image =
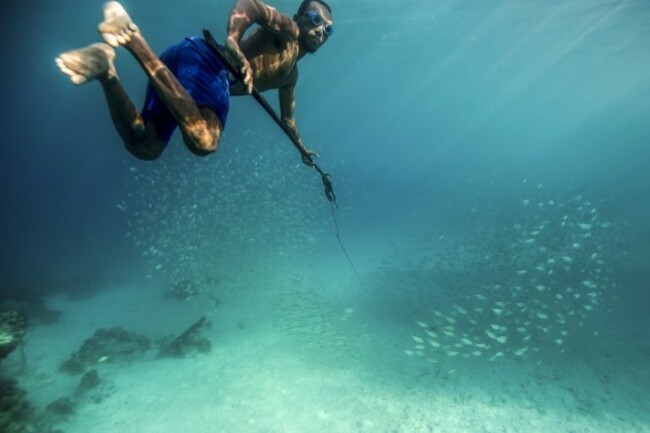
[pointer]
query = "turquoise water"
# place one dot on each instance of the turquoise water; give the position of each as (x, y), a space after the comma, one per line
(489, 160)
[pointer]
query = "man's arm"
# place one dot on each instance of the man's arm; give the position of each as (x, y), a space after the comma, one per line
(287, 108)
(244, 14)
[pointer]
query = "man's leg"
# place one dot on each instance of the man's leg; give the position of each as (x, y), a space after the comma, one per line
(200, 126)
(95, 62)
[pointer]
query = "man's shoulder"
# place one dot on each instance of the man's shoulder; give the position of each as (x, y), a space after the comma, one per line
(280, 23)
(289, 29)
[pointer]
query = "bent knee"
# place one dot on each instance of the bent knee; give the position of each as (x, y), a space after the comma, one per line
(203, 143)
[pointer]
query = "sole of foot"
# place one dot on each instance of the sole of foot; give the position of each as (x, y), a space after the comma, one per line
(117, 28)
(88, 63)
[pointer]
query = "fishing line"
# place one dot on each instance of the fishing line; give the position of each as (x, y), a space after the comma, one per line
(338, 238)
(329, 189)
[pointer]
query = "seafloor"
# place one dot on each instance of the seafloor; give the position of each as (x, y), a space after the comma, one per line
(294, 350)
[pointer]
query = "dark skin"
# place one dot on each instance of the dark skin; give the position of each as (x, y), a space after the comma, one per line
(267, 58)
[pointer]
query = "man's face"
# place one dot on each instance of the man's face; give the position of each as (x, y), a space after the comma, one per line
(315, 27)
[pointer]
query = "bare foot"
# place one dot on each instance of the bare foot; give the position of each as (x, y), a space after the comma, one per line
(88, 63)
(117, 28)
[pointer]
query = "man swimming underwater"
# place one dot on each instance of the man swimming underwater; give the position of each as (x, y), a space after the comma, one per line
(189, 86)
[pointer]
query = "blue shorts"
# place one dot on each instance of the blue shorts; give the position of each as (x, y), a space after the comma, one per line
(201, 73)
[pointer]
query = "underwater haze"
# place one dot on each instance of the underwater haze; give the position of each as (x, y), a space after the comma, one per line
(485, 268)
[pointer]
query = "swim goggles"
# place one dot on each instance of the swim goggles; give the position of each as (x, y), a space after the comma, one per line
(317, 21)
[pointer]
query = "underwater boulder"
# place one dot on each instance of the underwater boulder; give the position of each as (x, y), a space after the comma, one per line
(112, 345)
(62, 407)
(190, 341)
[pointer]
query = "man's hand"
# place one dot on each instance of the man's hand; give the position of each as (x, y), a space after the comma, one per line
(239, 61)
(312, 155)
(247, 73)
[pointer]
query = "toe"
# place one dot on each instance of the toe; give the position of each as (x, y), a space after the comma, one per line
(111, 40)
(63, 65)
(78, 79)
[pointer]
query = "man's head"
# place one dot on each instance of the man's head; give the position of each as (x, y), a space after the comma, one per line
(314, 18)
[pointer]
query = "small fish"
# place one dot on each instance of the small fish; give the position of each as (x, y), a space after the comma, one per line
(495, 356)
(521, 352)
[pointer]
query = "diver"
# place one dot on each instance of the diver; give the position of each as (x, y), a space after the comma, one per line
(189, 86)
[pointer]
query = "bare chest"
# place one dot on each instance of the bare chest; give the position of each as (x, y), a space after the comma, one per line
(273, 62)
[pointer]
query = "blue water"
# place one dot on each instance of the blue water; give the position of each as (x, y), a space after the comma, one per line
(467, 141)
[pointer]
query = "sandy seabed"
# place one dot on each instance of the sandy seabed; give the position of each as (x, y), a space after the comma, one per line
(289, 359)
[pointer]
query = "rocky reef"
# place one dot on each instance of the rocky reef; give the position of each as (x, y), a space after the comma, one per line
(112, 345)
(13, 326)
(189, 342)
(16, 413)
